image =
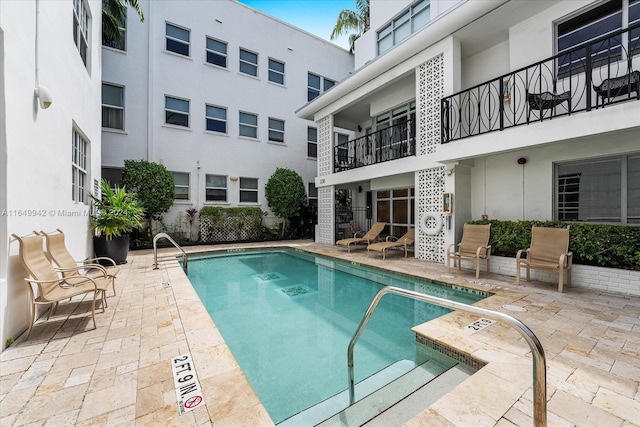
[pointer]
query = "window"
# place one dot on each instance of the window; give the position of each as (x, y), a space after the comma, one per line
(216, 119)
(312, 142)
(216, 188)
(396, 207)
(317, 84)
(181, 185)
(216, 52)
(176, 111)
(248, 63)
(248, 190)
(276, 130)
(112, 106)
(407, 23)
(599, 190)
(81, 28)
(119, 42)
(177, 40)
(79, 152)
(312, 191)
(248, 125)
(592, 24)
(276, 71)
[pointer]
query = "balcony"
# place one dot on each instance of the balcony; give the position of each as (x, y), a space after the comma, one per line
(394, 142)
(596, 74)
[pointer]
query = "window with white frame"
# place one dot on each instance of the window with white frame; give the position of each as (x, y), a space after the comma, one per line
(177, 40)
(599, 190)
(248, 126)
(248, 62)
(216, 118)
(596, 22)
(248, 190)
(316, 85)
(181, 185)
(81, 28)
(119, 42)
(406, 23)
(276, 71)
(176, 111)
(216, 188)
(276, 130)
(79, 164)
(312, 142)
(216, 52)
(112, 106)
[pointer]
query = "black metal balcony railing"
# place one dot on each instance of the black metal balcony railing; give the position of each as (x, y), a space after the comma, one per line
(595, 74)
(392, 143)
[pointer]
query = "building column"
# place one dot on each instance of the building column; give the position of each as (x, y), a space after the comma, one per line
(326, 194)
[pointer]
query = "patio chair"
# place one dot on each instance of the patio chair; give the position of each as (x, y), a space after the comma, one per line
(549, 251)
(393, 242)
(62, 257)
(369, 237)
(474, 246)
(51, 288)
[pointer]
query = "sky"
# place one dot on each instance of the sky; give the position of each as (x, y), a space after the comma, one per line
(317, 17)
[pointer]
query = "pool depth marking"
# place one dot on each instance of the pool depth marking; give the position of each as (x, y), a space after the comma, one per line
(188, 391)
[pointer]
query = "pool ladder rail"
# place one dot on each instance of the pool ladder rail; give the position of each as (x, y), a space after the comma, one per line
(537, 352)
(173, 242)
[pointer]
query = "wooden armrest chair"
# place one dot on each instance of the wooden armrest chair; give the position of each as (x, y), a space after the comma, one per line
(549, 251)
(370, 236)
(393, 242)
(93, 266)
(50, 286)
(474, 246)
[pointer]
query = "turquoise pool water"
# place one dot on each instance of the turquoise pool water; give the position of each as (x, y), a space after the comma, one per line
(288, 316)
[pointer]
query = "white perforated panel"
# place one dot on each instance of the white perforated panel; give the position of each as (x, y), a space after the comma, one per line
(431, 88)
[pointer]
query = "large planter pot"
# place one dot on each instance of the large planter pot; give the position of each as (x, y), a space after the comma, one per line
(115, 248)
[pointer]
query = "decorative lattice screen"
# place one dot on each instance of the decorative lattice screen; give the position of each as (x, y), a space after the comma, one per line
(230, 224)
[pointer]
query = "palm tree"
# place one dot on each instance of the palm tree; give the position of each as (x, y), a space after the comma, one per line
(349, 20)
(114, 12)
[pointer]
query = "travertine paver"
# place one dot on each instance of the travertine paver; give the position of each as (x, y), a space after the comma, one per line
(120, 374)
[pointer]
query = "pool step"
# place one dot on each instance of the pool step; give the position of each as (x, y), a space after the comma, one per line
(400, 400)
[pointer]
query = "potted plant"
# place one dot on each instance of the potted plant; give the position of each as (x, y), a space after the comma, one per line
(115, 214)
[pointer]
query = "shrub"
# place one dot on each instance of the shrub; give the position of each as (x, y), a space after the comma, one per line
(615, 246)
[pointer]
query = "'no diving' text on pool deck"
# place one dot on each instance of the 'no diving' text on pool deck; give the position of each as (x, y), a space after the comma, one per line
(185, 380)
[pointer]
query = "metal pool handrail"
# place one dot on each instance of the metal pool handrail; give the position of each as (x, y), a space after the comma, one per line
(539, 361)
(155, 249)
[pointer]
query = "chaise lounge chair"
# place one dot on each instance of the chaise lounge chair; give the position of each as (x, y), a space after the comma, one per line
(405, 241)
(474, 246)
(68, 265)
(370, 236)
(549, 251)
(50, 286)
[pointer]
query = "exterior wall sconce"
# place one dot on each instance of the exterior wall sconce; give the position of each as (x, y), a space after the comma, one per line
(233, 178)
(522, 161)
(44, 97)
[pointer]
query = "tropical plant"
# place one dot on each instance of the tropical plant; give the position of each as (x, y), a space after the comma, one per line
(153, 185)
(114, 13)
(285, 194)
(117, 212)
(352, 20)
(191, 214)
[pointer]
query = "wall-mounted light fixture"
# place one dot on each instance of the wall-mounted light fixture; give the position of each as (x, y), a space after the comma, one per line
(359, 128)
(522, 161)
(44, 97)
(359, 188)
(233, 178)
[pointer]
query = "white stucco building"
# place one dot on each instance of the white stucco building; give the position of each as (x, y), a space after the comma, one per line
(210, 91)
(499, 103)
(50, 157)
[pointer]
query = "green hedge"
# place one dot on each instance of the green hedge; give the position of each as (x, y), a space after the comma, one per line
(218, 224)
(601, 245)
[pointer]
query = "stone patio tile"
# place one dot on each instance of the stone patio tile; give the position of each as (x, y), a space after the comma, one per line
(617, 404)
(457, 411)
(107, 400)
(225, 362)
(227, 394)
(579, 412)
(16, 365)
(430, 418)
(15, 401)
(122, 417)
(75, 360)
(43, 406)
(53, 382)
(102, 379)
(155, 373)
(592, 379)
(35, 374)
(79, 376)
(149, 399)
(66, 419)
(123, 357)
(253, 416)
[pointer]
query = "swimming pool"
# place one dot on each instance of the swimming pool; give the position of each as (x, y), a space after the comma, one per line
(287, 317)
